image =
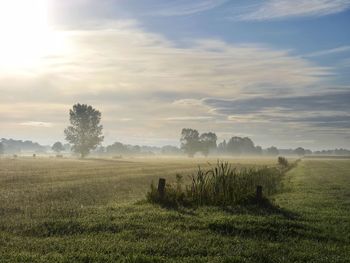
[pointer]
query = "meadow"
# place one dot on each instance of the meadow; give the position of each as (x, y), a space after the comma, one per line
(95, 210)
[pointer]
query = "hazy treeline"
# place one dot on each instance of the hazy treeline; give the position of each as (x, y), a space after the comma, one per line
(332, 152)
(192, 142)
(119, 148)
(233, 147)
(11, 146)
(84, 136)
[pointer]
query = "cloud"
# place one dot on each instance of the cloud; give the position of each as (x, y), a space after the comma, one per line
(329, 51)
(119, 59)
(37, 124)
(190, 118)
(323, 110)
(124, 58)
(280, 9)
(146, 85)
(185, 7)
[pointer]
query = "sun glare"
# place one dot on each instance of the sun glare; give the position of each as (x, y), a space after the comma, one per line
(25, 34)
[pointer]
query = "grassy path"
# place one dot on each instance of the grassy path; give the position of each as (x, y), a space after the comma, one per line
(310, 224)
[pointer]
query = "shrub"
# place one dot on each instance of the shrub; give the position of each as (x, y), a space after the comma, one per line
(282, 161)
(221, 185)
(174, 194)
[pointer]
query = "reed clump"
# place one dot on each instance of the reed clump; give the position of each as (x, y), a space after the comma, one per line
(221, 185)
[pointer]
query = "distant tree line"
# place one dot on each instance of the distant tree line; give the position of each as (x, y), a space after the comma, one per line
(85, 136)
(340, 151)
(119, 148)
(11, 146)
(206, 143)
(233, 147)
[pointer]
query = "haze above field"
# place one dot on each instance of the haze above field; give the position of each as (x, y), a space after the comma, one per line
(276, 71)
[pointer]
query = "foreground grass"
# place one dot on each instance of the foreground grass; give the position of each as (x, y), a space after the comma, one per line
(85, 211)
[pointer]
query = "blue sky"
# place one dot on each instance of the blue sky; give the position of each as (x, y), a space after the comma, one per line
(273, 70)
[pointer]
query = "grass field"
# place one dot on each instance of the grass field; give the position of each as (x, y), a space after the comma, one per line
(63, 210)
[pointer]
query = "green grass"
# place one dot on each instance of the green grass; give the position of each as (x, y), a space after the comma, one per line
(59, 210)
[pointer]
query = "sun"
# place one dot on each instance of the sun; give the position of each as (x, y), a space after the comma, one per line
(25, 34)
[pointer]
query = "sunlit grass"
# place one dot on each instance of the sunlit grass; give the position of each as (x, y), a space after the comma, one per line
(63, 210)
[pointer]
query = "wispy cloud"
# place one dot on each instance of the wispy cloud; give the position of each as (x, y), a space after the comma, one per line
(323, 110)
(185, 7)
(189, 118)
(150, 84)
(329, 51)
(279, 9)
(126, 58)
(37, 124)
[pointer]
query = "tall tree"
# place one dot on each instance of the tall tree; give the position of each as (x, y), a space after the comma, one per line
(57, 147)
(85, 132)
(207, 142)
(189, 141)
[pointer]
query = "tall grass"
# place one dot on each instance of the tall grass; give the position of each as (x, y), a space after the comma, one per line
(221, 185)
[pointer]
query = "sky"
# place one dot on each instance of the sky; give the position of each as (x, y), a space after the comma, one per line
(276, 71)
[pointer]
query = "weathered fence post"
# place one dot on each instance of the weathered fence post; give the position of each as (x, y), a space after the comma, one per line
(161, 187)
(259, 194)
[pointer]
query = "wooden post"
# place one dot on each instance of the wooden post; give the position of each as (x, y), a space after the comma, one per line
(259, 195)
(161, 187)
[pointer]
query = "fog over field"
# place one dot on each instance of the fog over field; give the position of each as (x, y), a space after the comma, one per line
(274, 71)
(155, 131)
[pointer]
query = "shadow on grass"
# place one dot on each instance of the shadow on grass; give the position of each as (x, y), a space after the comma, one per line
(265, 207)
(67, 228)
(271, 229)
(248, 206)
(267, 226)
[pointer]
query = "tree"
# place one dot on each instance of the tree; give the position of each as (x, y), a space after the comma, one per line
(2, 149)
(57, 147)
(85, 132)
(207, 142)
(272, 151)
(299, 151)
(117, 148)
(189, 141)
(237, 145)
